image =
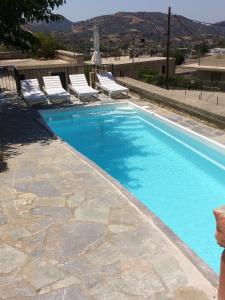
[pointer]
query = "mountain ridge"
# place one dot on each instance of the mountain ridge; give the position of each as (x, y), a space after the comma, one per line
(122, 28)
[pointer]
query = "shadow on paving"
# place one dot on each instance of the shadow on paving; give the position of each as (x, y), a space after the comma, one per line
(19, 126)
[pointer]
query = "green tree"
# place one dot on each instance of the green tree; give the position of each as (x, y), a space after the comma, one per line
(15, 16)
(221, 43)
(46, 45)
(202, 48)
(179, 56)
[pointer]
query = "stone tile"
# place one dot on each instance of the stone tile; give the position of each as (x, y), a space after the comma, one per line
(106, 254)
(77, 198)
(219, 133)
(116, 295)
(135, 243)
(88, 214)
(104, 199)
(39, 224)
(11, 259)
(169, 271)
(41, 274)
(25, 201)
(6, 192)
(71, 293)
(50, 202)
(3, 218)
(62, 213)
(187, 293)
(98, 193)
(9, 209)
(70, 240)
(35, 245)
(43, 189)
(143, 284)
(107, 285)
(120, 228)
(125, 216)
(191, 122)
(19, 233)
(70, 280)
(22, 186)
(89, 274)
(14, 286)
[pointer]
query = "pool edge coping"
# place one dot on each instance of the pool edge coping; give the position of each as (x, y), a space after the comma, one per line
(198, 263)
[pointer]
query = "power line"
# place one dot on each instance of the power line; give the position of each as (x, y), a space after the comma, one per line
(205, 23)
(185, 27)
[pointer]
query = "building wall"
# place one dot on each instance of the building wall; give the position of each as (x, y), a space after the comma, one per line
(39, 73)
(210, 75)
(4, 55)
(218, 61)
(70, 56)
(132, 69)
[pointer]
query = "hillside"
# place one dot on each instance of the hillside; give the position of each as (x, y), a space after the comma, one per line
(146, 23)
(121, 29)
(151, 23)
(62, 26)
(222, 23)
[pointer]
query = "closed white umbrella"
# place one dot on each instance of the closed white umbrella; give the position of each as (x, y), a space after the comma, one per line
(96, 58)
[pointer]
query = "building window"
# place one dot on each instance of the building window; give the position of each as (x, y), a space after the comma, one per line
(163, 69)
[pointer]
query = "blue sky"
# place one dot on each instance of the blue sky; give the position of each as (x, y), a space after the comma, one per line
(204, 10)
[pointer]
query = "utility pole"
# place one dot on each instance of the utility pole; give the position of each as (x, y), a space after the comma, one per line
(168, 50)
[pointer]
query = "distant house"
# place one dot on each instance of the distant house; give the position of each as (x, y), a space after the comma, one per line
(209, 68)
(13, 70)
(130, 67)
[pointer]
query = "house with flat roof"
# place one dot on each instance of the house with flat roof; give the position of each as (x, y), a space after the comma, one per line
(130, 67)
(209, 68)
(65, 63)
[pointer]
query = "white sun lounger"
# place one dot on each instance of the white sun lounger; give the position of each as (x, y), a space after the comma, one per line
(80, 87)
(30, 91)
(54, 90)
(107, 83)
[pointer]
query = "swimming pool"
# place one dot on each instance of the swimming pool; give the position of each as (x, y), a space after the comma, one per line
(178, 175)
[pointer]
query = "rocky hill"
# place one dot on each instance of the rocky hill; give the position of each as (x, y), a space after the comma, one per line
(147, 23)
(121, 28)
(62, 26)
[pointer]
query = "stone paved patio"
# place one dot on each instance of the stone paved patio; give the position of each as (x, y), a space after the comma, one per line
(67, 233)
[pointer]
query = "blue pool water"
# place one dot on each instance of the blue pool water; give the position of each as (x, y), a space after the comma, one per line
(177, 177)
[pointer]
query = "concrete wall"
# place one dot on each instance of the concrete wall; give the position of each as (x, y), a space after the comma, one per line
(132, 69)
(69, 56)
(39, 73)
(13, 55)
(218, 61)
(210, 75)
(159, 95)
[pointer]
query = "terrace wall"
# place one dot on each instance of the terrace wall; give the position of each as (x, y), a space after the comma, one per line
(132, 69)
(69, 56)
(4, 55)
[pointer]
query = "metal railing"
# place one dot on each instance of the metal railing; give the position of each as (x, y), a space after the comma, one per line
(7, 79)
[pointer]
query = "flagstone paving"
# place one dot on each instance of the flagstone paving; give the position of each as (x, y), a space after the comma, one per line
(67, 233)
